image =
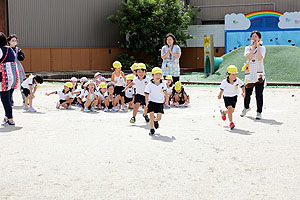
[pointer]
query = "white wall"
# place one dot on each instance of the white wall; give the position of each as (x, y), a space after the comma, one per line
(198, 31)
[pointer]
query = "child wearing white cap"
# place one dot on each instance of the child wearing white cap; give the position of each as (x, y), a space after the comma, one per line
(110, 99)
(65, 96)
(119, 79)
(156, 94)
(179, 96)
(90, 97)
(229, 89)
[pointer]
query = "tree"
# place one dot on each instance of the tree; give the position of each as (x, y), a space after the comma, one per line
(146, 22)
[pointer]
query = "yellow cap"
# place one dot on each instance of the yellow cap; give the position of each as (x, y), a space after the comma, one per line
(134, 66)
(231, 69)
(178, 85)
(156, 70)
(117, 65)
(141, 66)
(102, 85)
(129, 77)
(169, 77)
(68, 84)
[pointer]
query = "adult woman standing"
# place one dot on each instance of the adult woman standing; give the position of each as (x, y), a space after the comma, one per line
(8, 78)
(170, 53)
(13, 42)
(255, 73)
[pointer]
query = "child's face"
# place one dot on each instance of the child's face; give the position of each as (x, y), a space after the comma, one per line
(91, 86)
(141, 73)
(110, 90)
(178, 91)
(133, 71)
(169, 82)
(157, 76)
(103, 90)
(128, 82)
(99, 76)
(66, 88)
(118, 70)
(74, 82)
(232, 76)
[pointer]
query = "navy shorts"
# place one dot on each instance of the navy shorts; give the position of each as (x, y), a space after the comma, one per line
(139, 99)
(155, 107)
(230, 101)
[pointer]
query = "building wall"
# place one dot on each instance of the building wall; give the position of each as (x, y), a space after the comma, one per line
(214, 10)
(64, 23)
(2, 16)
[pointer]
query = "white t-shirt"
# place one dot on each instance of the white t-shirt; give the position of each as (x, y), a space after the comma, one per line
(63, 96)
(231, 90)
(86, 93)
(261, 48)
(140, 85)
(129, 92)
(170, 89)
(106, 95)
(119, 79)
(28, 82)
(156, 92)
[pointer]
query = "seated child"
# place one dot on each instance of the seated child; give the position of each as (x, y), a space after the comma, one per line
(89, 97)
(101, 91)
(82, 89)
(65, 96)
(110, 99)
(230, 89)
(28, 88)
(129, 93)
(179, 96)
(75, 90)
(170, 85)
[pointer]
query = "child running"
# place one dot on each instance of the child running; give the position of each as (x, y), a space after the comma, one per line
(129, 92)
(28, 88)
(179, 96)
(119, 79)
(230, 90)
(110, 99)
(139, 83)
(156, 94)
(65, 96)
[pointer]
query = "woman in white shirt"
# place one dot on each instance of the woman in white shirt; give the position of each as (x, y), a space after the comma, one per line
(254, 73)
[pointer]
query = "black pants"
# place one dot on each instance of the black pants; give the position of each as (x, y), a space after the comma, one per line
(259, 88)
(11, 91)
(5, 98)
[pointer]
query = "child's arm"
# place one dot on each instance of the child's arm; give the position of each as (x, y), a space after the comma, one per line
(31, 92)
(113, 78)
(128, 86)
(166, 97)
(220, 94)
(243, 91)
(146, 99)
(51, 93)
(123, 76)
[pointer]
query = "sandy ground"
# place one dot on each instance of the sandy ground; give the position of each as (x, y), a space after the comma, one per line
(68, 154)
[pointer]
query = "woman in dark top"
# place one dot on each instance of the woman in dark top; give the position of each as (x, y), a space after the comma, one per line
(8, 69)
(13, 42)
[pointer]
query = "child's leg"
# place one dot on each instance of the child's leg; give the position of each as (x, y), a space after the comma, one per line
(87, 103)
(122, 100)
(99, 101)
(106, 102)
(95, 102)
(176, 98)
(130, 105)
(145, 110)
(158, 117)
(30, 101)
(135, 109)
(230, 111)
(151, 120)
(186, 98)
(116, 101)
(26, 101)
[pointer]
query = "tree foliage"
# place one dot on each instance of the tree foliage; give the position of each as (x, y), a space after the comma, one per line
(146, 22)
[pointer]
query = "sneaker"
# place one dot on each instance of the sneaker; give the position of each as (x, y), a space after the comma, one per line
(57, 105)
(25, 108)
(231, 125)
(167, 106)
(78, 104)
(82, 109)
(93, 109)
(70, 106)
(176, 104)
(186, 104)
(115, 109)
(4, 120)
(146, 118)
(132, 120)
(106, 109)
(7, 123)
(85, 110)
(156, 125)
(122, 107)
(223, 115)
(258, 115)
(244, 112)
(152, 131)
(32, 110)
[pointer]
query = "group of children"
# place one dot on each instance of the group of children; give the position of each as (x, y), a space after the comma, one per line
(136, 90)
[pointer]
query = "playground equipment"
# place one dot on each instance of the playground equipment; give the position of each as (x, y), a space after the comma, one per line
(211, 63)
